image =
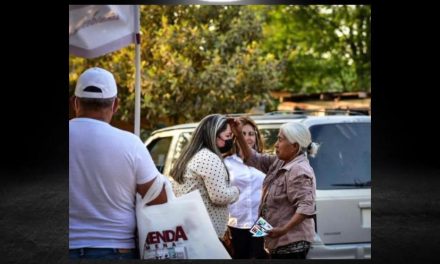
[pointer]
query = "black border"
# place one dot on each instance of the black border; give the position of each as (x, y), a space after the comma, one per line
(34, 195)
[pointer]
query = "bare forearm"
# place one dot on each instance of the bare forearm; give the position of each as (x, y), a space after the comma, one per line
(295, 220)
(236, 128)
(282, 230)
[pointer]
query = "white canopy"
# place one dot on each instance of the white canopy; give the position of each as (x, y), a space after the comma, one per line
(95, 30)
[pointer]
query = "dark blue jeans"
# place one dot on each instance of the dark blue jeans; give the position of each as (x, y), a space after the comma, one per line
(101, 253)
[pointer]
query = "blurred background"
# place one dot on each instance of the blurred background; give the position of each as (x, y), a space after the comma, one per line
(203, 59)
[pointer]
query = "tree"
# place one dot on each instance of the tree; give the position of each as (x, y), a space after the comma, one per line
(322, 48)
(196, 60)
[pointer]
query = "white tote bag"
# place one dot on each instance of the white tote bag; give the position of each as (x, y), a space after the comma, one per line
(178, 229)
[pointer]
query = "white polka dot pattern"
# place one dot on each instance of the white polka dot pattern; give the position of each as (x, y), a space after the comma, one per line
(206, 172)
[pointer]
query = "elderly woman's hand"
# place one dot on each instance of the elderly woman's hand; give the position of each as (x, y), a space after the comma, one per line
(236, 125)
(276, 232)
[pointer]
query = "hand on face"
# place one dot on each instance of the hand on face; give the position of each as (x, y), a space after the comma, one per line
(235, 124)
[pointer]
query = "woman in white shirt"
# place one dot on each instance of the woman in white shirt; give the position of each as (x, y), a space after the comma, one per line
(244, 212)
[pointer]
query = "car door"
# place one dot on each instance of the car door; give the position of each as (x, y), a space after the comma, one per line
(343, 176)
(160, 146)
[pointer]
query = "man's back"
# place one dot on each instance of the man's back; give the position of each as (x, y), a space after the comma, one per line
(105, 164)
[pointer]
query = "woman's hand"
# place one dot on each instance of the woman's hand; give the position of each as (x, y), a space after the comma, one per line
(236, 125)
(296, 219)
(276, 232)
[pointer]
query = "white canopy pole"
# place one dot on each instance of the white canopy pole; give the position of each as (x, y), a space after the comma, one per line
(137, 102)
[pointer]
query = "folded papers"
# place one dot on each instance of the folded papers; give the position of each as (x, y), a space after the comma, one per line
(260, 228)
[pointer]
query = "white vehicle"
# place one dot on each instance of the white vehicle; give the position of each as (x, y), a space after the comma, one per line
(342, 168)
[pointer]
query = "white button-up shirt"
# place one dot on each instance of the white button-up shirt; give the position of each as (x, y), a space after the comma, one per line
(244, 212)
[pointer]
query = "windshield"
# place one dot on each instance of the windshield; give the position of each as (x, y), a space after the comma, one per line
(344, 157)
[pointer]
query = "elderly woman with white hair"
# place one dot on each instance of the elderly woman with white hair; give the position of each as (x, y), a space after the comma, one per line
(288, 198)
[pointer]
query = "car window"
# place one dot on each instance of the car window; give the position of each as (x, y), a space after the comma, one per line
(269, 137)
(182, 141)
(159, 150)
(344, 158)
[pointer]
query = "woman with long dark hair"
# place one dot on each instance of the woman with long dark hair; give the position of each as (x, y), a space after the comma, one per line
(201, 167)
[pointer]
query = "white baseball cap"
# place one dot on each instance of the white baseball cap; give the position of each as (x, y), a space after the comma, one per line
(96, 83)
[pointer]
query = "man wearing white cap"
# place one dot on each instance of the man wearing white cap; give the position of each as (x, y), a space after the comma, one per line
(106, 168)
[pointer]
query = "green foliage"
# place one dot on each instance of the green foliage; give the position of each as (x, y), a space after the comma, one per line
(198, 60)
(322, 48)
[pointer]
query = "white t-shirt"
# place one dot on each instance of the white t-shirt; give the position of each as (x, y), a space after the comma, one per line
(244, 212)
(105, 164)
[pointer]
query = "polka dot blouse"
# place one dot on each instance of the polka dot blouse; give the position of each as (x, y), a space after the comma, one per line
(206, 172)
